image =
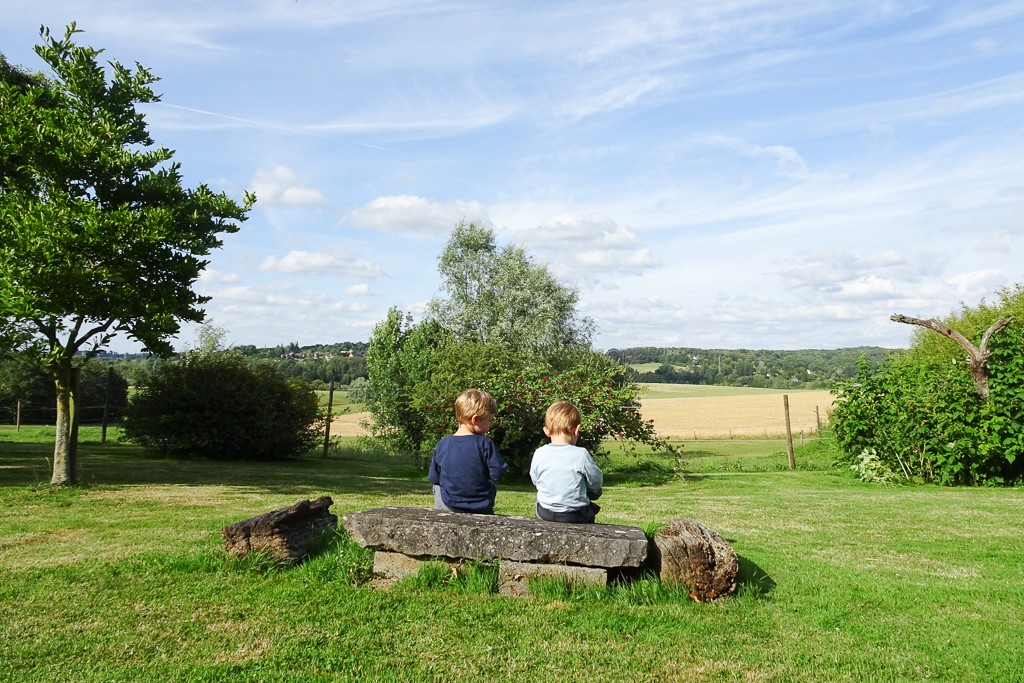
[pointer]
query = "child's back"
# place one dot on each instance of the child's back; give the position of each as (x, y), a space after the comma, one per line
(466, 464)
(566, 476)
(464, 467)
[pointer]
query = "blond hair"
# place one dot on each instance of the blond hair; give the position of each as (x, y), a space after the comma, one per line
(474, 402)
(562, 418)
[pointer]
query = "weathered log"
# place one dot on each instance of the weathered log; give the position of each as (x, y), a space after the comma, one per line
(286, 534)
(687, 553)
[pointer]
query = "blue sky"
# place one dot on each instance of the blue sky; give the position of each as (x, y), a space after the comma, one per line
(774, 174)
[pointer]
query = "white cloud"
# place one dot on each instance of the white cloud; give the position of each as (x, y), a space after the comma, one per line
(850, 274)
(976, 284)
(412, 214)
(1000, 242)
(214, 277)
(870, 287)
(242, 294)
(588, 247)
(310, 262)
(609, 97)
(278, 187)
(788, 161)
(362, 289)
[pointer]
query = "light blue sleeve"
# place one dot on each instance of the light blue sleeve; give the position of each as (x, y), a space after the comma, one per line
(594, 476)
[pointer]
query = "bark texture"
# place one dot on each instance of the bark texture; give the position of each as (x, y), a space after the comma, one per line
(286, 534)
(687, 553)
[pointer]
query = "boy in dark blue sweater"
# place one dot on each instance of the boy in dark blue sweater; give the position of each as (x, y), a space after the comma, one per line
(467, 463)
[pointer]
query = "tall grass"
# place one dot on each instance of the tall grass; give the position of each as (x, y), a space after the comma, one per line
(123, 579)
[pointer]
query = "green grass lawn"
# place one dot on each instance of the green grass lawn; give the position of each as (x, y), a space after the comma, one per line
(123, 578)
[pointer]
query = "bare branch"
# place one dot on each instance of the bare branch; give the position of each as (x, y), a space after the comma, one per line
(976, 355)
(944, 330)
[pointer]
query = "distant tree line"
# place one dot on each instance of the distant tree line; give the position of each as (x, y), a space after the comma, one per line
(802, 369)
(318, 364)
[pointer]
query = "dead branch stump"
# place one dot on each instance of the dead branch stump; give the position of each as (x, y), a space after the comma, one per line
(687, 553)
(286, 534)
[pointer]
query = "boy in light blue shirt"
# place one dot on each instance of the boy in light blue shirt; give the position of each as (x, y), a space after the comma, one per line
(566, 476)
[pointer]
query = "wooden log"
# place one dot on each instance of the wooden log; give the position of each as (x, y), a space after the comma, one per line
(286, 534)
(687, 553)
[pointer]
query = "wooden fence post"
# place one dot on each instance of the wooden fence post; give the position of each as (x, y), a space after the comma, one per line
(330, 416)
(106, 404)
(17, 417)
(789, 433)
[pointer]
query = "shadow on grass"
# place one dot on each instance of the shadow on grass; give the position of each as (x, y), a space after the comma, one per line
(355, 470)
(361, 472)
(751, 579)
(638, 473)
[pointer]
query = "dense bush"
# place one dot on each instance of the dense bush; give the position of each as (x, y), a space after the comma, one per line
(417, 371)
(918, 417)
(220, 405)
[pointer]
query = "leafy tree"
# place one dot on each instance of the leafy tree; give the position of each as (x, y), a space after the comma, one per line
(500, 296)
(221, 405)
(497, 333)
(416, 372)
(98, 236)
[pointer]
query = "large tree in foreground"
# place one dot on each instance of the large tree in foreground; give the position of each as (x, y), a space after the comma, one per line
(98, 236)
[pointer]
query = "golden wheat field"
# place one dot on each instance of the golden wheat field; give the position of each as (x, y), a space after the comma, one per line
(762, 414)
(689, 412)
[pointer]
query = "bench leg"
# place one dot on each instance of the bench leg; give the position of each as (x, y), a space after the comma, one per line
(513, 577)
(390, 568)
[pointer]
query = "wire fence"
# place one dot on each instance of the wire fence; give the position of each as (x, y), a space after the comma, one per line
(24, 414)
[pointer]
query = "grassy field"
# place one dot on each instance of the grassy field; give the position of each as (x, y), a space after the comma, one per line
(339, 403)
(123, 578)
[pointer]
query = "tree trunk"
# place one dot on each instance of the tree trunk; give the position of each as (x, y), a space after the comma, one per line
(63, 460)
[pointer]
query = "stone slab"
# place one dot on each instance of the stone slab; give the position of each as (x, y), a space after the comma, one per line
(420, 532)
(391, 568)
(514, 577)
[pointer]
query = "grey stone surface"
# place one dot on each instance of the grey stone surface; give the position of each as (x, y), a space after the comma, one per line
(285, 534)
(514, 577)
(431, 533)
(389, 568)
(687, 553)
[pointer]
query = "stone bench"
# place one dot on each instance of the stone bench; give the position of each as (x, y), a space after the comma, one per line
(404, 537)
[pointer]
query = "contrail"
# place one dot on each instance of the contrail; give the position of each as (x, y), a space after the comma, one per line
(275, 126)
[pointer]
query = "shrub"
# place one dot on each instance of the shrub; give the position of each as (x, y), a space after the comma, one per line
(220, 405)
(417, 371)
(918, 417)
